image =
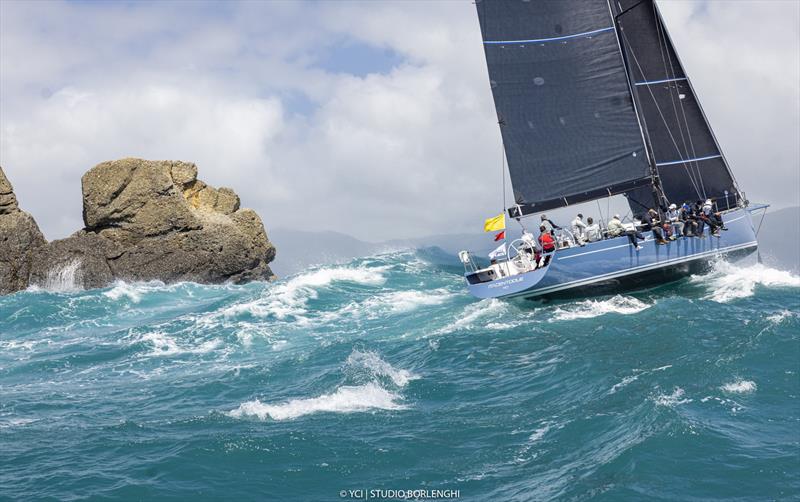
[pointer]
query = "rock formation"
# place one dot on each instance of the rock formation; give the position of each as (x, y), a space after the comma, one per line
(154, 220)
(20, 237)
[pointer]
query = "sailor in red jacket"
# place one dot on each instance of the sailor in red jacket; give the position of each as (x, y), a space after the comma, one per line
(546, 240)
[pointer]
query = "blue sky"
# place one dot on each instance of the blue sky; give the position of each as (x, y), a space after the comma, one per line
(370, 118)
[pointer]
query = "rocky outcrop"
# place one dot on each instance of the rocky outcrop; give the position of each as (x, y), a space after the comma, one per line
(20, 238)
(144, 220)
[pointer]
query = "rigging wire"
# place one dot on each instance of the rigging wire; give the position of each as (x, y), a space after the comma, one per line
(660, 113)
(671, 75)
(662, 45)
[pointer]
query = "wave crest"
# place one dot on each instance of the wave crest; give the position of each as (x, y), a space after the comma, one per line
(346, 399)
(289, 299)
(377, 367)
(740, 387)
(592, 308)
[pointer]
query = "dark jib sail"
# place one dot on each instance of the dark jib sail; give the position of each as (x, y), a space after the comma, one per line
(563, 101)
(688, 159)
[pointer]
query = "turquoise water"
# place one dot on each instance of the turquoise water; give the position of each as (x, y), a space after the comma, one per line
(383, 373)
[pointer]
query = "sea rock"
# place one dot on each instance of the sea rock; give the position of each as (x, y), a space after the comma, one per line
(8, 201)
(154, 220)
(20, 238)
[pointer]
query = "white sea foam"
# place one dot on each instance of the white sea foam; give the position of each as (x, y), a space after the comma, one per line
(625, 381)
(499, 326)
(406, 301)
(632, 378)
(346, 399)
(539, 433)
(473, 312)
(592, 308)
(15, 422)
(290, 298)
(373, 363)
(674, 399)
(730, 281)
(740, 387)
(164, 345)
(9, 345)
(778, 317)
(133, 291)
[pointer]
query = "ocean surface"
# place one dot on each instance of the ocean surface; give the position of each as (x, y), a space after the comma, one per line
(383, 374)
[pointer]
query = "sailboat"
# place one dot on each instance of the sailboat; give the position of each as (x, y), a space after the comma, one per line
(593, 102)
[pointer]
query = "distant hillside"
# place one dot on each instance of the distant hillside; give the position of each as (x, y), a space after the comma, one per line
(779, 238)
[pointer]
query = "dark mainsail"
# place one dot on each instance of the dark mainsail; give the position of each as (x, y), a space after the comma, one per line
(563, 101)
(688, 159)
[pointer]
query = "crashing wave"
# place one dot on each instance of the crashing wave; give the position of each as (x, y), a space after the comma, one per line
(377, 367)
(63, 278)
(740, 387)
(491, 308)
(779, 317)
(674, 399)
(290, 298)
(163, 345)
(397, 302)
(729, 281)
(346, 399)
(132, 291)
(592, 308)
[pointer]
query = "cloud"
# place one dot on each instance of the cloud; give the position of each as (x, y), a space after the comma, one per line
(263, 97)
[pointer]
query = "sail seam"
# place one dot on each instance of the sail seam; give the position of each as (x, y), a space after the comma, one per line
(543, 40)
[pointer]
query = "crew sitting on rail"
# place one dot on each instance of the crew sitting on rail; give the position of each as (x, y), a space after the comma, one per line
(713, 219)
(688, 220)
(652, 221)
(697, 212)
(674, 220)
(615, 229)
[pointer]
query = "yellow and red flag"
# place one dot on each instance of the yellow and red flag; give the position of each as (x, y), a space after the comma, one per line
(495, 224)
(501, 235)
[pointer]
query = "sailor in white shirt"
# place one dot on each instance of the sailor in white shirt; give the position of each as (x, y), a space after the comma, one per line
(592, 232)
(578, 229)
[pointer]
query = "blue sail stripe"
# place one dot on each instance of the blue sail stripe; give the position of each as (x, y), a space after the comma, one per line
(542, 40)
(659, 164)
(649, 82)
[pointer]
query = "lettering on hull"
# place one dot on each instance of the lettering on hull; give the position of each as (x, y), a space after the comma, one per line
(505, 283)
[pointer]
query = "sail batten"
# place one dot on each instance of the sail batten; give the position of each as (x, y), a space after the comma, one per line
(687, 161)
(552, 39)
(563, 100)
